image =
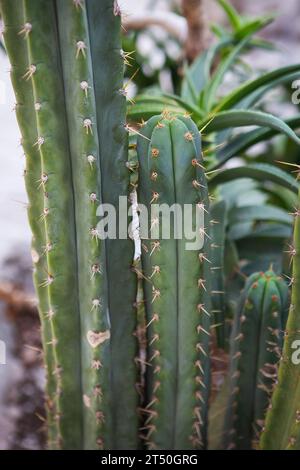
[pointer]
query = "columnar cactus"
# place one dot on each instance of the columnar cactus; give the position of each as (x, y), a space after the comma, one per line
(282, 427)
(67, 71)
(257, 338)
(176, 286)
(218, 233)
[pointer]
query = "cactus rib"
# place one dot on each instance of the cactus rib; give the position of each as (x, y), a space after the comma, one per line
(15, 40)
(57, 214)
(257, 338)
(177, 329)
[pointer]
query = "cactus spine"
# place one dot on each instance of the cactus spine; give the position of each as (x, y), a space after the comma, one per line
(282, 427)
(72, 114)
(175, 286)
(257, 338)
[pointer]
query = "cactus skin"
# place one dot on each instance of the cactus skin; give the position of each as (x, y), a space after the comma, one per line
(282, 426)
(13, 16)
(218, 229)
(257, 338)
(93, 344)
(178, 318)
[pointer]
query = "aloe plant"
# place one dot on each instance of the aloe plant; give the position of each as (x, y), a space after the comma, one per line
(257, 338)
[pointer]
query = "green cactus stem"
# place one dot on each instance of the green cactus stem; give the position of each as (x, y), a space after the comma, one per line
(68, 71)
(14, 35)
(175, 288)
(257, 338)
(282, 426)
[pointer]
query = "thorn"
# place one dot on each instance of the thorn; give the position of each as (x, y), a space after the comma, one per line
(48, 281)
(239, 337)
(201, 308)
(84, 86)
(201, 284)
(27, 28)
(94, 234)
(195, 162)
(91, 159)
(50, 314)
(154, 355)
(155, 400)
(81, 47)
(202, 207)
(155, 338)
(155, 294)
(87, 124)
(197, 185)
(154, 318)
(198, 395)
(154, 222)
(237, 355)
(156, 270)
(131, 129)
(31, 70)
(39, 142)
(96, 364)
(202, 256)
(198, 364)
(200, 328)
(96, 303)
(78, 4)
(200, 348)
(155, 246)
(202, 231)
(155, 196)
(126, 56)
(95, 269)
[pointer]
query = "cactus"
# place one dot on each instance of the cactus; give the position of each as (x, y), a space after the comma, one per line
(282, 426)
(67, 71)
(257, 338)
(176, 287)
(218, 232)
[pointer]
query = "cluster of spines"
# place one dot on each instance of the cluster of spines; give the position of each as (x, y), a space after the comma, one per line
(256, 346)
(176, 395)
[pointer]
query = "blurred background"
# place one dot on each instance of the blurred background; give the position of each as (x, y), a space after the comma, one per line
(163, 36)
